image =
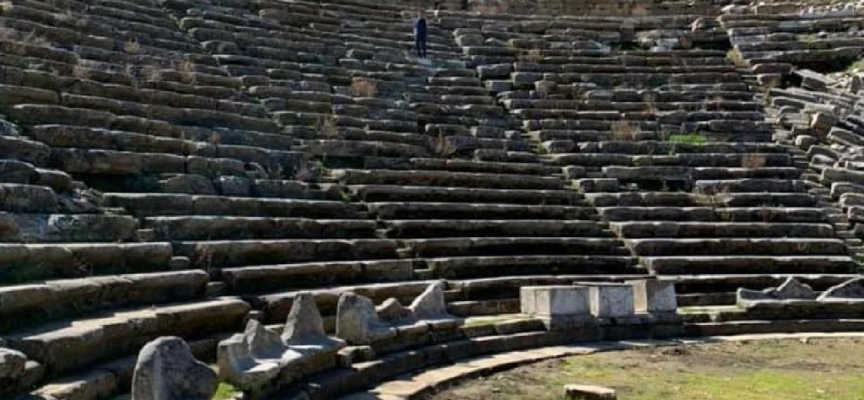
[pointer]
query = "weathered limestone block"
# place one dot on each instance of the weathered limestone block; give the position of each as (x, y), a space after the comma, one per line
(358, 323)
(551, 301)
(610, 300)
(166, 370)
(191, 184)
(498, 71)
(654, 296)
(823, 122)
(12, 364)
(12, 171)
(469, 40)
(804, 142)
(430, 305)
(851, 289)
(233, 186)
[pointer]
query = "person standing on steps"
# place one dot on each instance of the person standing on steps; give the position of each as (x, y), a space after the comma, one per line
(420, 34)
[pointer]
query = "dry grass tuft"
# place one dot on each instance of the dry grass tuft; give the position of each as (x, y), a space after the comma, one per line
(188, 71)
(443, 147)
(753, 161)
(327, 127)
(131, 46)
(362, 87)
(151, 73)
(533, 56)
(624, 130)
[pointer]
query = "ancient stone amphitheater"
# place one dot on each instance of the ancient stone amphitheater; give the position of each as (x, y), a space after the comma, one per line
(181, 167)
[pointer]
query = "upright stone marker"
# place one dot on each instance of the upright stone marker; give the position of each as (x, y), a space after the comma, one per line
(357, 321)
(431, 305)
(166, 370)
(304, 328)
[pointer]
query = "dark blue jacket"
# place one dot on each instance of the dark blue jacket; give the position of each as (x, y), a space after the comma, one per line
(420, 28)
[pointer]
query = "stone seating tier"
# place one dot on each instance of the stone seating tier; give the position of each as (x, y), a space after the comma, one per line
(257, 150)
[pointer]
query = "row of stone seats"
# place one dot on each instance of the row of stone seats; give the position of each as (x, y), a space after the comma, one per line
(817, 121)
(133, 114)
(452, 216)
(659, 183)
(119, 109)
(773, 43)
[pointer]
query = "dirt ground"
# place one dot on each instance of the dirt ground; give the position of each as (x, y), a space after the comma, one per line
(812, 369)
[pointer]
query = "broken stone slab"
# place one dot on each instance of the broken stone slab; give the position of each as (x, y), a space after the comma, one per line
(431, 305)
(851, 289)
(813, 80)
(790, 289)
(610, 300)
(654, 296)
(357, 321)
(589, 392)
(304, 328)
(166, 370)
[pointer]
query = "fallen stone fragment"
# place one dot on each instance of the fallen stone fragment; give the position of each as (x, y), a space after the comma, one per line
(589, 392)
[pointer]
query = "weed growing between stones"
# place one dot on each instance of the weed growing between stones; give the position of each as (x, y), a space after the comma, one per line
(533, 55)
(736, 58)
(692, 138)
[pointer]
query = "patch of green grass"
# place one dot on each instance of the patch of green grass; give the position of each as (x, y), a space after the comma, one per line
(806, 37)
(491, 320)
(225, 392)
(693, 138)
(706, 309)
(859, 65)
(820, 369)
